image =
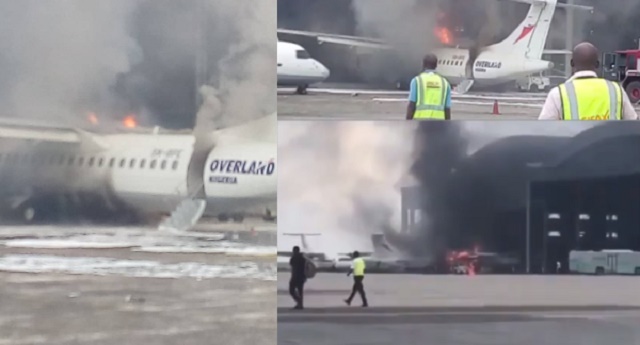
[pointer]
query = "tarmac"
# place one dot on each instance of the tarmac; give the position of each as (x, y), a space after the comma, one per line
(341, 103)
(124, 286)
(364, 104)
(444, 309)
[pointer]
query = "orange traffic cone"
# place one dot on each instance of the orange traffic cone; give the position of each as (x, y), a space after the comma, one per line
(496, 109)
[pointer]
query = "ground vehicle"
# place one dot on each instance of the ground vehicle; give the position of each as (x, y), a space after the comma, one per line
(534, 82)
(622, 66)
(604, 262)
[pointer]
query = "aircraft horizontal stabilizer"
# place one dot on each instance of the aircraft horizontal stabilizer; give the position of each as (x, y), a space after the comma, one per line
(556, 52)
(352, 42)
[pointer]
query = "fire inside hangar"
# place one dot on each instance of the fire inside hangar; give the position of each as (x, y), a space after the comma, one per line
(537, 197)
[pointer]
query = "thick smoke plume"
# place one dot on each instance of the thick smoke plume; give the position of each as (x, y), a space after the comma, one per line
(62, 59)
(606, 26)
(460, 191)
(439, 148)
(60, 55)
(407, 25)
(246, 77)
(341, 179)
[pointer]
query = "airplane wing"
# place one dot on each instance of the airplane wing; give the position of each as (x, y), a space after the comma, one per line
(373, 43)
(560, 5)
(556, 52)
(354, 41)
(45, 132)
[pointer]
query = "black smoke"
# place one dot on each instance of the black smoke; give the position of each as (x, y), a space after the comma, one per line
(408, 25)
(62, 60)
(439, 149)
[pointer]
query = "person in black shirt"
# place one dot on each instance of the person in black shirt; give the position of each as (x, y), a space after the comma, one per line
(298, 277)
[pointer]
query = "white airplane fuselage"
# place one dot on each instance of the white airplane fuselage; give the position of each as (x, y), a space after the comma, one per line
(489, 68)
(297, 68)
(151, 173)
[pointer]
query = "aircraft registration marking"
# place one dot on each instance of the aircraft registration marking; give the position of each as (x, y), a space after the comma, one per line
(168, 154)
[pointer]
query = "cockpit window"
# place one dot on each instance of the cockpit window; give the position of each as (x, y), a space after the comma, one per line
(302, 54)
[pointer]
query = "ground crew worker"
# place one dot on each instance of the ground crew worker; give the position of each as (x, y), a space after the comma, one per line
(298, 277)
(357, 268)
(585, 96)
(429, 93)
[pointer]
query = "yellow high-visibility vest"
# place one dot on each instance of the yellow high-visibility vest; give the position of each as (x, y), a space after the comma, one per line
(431, 96)
(590, 99)
(358, 267)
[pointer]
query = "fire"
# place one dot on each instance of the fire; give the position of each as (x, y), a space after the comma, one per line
(130, 122)
(465, 258)
(93, 118)
(443, 34)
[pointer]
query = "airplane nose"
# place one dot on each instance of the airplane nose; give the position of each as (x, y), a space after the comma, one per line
(324, 71)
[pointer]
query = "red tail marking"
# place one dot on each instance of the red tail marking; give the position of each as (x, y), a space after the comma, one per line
(525, 32)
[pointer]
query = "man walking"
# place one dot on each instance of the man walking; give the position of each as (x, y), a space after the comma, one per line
(357, 268)
(429, 93)
(298, 277)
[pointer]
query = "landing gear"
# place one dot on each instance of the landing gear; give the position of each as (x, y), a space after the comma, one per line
(402, 85)
(238, 218)
(27, 213)
(302, 89)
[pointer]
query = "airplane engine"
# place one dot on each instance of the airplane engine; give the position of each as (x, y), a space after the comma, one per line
(240, 179)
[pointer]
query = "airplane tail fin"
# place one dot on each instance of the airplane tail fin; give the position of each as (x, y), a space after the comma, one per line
(529, 38)
(381, 249)
(303, 238)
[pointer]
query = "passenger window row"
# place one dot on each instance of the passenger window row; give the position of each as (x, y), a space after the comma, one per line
(450, 62)
(98, 162)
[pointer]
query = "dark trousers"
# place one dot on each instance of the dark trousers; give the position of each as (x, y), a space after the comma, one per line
(359, 288)
(296, 288)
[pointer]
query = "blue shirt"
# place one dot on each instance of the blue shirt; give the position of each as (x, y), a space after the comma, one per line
(413, 92)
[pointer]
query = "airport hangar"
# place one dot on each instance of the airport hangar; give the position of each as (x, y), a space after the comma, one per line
(540, 197)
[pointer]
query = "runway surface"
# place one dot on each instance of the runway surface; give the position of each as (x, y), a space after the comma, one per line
(353, 104)
(359, 104)
(103, 285)
(415, 309)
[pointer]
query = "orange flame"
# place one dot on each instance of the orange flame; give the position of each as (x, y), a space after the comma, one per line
(443, 34)
(130, 122)
(93, 118)
(471, 269)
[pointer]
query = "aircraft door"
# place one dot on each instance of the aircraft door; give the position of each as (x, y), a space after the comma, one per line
(609, 67)
(612, 263)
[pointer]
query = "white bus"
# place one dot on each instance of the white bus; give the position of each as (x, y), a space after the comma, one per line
(604, 262)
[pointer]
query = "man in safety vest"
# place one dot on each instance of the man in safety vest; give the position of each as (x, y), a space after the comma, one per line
(429, 93)
(585, 96)
(357, 268)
